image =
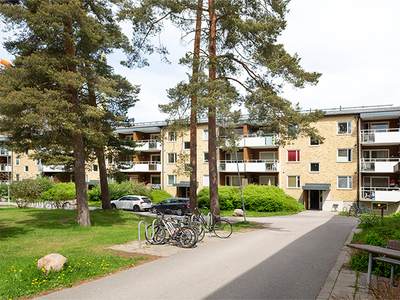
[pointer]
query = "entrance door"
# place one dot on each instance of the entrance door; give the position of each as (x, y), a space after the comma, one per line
(314, 199)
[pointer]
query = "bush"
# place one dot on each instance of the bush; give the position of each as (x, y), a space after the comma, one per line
(4, 189)
(225, 197)
(117, 190)
(160, 195)
(259, 198)
(29, 190)
(61, 192)
(291, 204)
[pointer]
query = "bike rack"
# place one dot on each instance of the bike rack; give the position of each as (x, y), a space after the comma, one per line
(145, 228)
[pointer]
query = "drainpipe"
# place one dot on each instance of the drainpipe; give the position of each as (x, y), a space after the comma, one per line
(358, 160)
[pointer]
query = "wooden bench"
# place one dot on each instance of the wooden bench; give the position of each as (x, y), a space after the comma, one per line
(393, 262)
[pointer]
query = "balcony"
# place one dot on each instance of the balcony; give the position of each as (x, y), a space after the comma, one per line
(257, 141)
(390, 136)
(4, 152)
(51, 168)
(261, 166)
(5, 168)
(148, 145)
(141, 166)
(380, 194)
(379, 165)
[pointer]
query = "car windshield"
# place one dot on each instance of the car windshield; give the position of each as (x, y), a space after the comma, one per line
(146, 199)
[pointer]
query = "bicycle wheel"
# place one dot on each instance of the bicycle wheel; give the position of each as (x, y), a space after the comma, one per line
(158, 237)
(187, 237)
(47, 205)
(357, 213)
(367, 210)
(222, 229)
(198, 226)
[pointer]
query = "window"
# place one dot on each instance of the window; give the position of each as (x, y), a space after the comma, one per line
(186, 145)
(232, 157)
(37, 162)
(187, 168)
(344, 155)
(171, 180)
(293, 155)
(171, 136)
(293, 182)
(314, 167)
(172, 158)
(26, 169)
(205, 134)
(314, 142)
(206, 180)
(17, 177)
(378, 206)
(232, 181)
(95, 168)
(344, 127)
(205, 157)
(345, 182)
(267, 180)
(17, 161)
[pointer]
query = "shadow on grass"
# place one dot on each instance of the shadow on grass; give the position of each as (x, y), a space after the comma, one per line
(17, 222)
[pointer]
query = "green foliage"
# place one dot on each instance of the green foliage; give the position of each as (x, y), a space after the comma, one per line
(160, 195)
(366, 221)
(117, 190)
(375, 233)
(29, 190)
(225, 196)
(61, 192)
(4, 189)
(258, 198)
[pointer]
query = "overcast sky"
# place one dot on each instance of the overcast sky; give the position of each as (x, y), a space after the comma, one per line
(354, 44)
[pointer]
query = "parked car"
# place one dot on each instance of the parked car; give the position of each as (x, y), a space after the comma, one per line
(132, 202)
(179, 206)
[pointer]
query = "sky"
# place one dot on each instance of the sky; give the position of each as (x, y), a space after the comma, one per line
(354, 44)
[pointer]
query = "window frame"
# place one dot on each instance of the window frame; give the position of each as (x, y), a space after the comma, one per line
(348, 130)
(205, 134)
(311, 142)
(26, 169)
(347, 155)
(351, 182)
(95, 168)
(319, 167)
(298, 157)
(17, 161)
(205, 160)
(298, 182)
(185, 144)
(175, 157)
(171, 136)
(175, 179)
(206, 180)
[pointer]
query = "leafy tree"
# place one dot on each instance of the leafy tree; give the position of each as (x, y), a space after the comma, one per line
(49, 97)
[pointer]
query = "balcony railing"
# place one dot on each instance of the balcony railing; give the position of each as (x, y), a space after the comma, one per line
(257, 140)
(380, 194)
(379, 165)
(4, 152)
(148, 145)
(252, 165)
(381, 136)
(140, 166)
(5, 168)
(51, 168)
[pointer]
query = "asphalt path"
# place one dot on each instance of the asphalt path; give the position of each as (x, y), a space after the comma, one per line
(288, 260)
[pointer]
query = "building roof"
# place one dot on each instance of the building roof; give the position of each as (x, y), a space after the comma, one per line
(317, 186)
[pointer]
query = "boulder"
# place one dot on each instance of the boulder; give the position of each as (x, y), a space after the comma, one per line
(53, 261)
(238, 212)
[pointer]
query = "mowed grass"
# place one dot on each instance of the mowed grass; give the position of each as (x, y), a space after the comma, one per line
(26, 235)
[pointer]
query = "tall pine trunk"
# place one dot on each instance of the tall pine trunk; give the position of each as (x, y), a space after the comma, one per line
(212, 128)
(83, 218)
(193, 114)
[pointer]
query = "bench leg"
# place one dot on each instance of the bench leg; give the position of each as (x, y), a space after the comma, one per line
(392, 275)
(370, 262)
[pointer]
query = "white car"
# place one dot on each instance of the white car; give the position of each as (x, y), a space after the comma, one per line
(132, 202)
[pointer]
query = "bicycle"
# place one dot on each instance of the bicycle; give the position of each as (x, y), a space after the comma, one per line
(185, 236)
(359, 210)
(222, 228)
(56, 204)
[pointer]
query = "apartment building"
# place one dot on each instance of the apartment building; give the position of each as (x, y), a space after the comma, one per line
(358, 160)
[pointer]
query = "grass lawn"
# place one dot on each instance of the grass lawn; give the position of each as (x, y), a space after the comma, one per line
(26, 235)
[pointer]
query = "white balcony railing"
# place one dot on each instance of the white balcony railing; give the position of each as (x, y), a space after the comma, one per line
(141, 166)
(51, 168)
(378, 165)
(255, 140)
(249, 166)
(4, 152)
(5, 168)
(381, 136)
(380, 194)
(148, 145)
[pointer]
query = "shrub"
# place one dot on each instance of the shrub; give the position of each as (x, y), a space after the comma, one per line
(160, 195)
(4, 189)
(29, 190)
(117, 190)
(267, 198)
(61, 192)
(291, 204)
(225, 197)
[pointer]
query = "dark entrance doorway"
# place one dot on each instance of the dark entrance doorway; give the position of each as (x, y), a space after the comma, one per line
(314, 199)
(183, 192)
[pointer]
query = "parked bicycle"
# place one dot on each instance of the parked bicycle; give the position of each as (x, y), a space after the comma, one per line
(357, 211)
(156, 233)
(222, 228)
(56, 204)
